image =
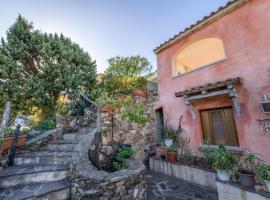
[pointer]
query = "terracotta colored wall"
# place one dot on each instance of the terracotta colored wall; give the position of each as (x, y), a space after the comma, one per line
(246, 36)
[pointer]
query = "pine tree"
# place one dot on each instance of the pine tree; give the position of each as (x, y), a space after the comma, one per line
(36, 68)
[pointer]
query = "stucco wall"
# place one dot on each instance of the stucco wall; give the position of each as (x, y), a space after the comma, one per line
(245, 34)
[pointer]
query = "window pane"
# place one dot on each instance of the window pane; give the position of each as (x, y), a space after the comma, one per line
(198, 54)
(218, 127)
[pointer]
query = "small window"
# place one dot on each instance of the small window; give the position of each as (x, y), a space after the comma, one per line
(218, 127)
(198, 54)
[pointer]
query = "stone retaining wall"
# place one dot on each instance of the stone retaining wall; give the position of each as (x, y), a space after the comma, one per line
(92, 184)
(125, 184)
(192, 174)
(229, 191)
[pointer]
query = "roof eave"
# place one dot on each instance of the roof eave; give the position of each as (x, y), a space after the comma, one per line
(201, 24)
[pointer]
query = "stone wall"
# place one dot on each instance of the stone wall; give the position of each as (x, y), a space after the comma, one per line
(141, 137)
(93, 184)
(191, 174)
(228, 191)
(125, 184)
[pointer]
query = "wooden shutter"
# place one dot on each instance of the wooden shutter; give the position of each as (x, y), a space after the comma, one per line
(206, 126)
(230, 129)
(218, 127)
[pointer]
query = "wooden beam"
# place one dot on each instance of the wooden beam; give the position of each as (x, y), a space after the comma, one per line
(210, 94)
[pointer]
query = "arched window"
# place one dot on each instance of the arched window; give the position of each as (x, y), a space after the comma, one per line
(198, 54)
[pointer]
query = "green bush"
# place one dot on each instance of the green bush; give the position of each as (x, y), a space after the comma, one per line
(222, 159)
(264, 172)
(171, 149)
(1, 143)
(133, 112)
(119, 161)
(45, 125)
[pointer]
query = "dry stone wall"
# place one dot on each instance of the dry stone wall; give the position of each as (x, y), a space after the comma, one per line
(141, 137)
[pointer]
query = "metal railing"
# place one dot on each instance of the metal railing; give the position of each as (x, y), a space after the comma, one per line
(14, 145)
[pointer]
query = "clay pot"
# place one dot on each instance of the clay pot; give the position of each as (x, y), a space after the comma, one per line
(139, 92)
(160, 152)
(9, 140)
(171, 156)
(107, 108)
(122, 96)
(204, 164)
(247, 180)
(188, 162)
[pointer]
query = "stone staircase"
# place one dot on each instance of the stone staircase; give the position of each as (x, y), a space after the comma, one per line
(43, 173)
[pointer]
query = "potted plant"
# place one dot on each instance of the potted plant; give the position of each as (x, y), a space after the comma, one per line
(264, 174)
(223, 162)
(170, 134)
(160, 152)
(205, 161)
(171, 153)
(188, 158)
(9, 137)
(247, 168)
(139, 92)
(1, 147)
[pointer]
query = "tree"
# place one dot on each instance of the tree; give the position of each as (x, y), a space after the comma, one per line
(124, 73)
(37, 67)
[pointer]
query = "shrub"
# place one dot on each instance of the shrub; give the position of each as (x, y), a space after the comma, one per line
(264, 172)
(119, 161)
(222, 159)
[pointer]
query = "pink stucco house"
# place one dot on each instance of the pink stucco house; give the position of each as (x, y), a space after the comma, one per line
(216, 74)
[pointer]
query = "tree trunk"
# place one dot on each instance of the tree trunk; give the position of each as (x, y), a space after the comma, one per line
(6, 115)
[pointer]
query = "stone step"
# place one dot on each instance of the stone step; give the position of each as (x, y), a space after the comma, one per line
(22, 175)
(73, 136)
(45, 159)
(44, 153)
(58, 147)
(49, 191)
(64, 142)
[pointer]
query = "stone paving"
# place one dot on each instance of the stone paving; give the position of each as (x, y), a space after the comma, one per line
(169, 188)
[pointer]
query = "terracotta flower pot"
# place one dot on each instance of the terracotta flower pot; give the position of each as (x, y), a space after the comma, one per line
(204, 164)
(160, 152)
(187, 162)
(139, 92)
(9, 140)
(107, 108)
(171, 156)
(247, 180)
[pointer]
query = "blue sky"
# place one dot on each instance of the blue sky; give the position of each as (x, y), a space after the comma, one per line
(106, 28)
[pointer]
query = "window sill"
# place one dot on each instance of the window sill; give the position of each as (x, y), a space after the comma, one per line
(231, 149)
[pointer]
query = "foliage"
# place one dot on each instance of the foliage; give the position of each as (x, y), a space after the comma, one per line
(206, 153)
(264, 172)
(124, 74)
(45, 125)
(1, 143)
(169, 131)
(36, 68)
(133, 111)
(122, 153)
(222, 159)
(249, 163)
(171, 149)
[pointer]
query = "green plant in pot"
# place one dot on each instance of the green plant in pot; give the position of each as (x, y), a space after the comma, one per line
(264, 173)
(171, 153)
(188, 158)
(205, 160)
(247, 169)
(223, 162)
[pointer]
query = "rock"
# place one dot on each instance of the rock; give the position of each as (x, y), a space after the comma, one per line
(22, 120)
